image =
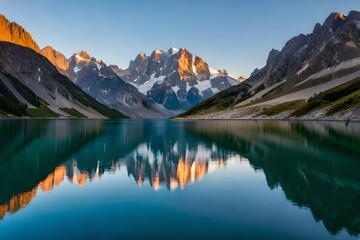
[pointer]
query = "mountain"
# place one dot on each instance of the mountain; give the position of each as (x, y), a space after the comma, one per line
(30, 85)
(176, 78)
(102, 83)
(118, 70)
(94, 77)
(241, 79)
(56, 58)
(329, 44)
(14, 33)
(309, 68)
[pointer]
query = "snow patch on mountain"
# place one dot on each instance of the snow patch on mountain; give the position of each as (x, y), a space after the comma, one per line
(173, 50)
(81, 59)
(203, 85)
(77, 69)
(175, 89)
(144, 88)
(213, 71)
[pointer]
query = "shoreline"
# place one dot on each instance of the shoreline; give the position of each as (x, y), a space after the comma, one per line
(267, 119)
(195, 119)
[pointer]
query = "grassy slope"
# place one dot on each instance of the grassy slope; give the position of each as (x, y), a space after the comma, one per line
(283, 107)
(73, 112)
(42, 112)
(336, 98)
(220, 101)
(290, 86)
(351, 100)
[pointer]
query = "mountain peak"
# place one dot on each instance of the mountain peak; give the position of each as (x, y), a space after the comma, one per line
(201, 68)
(173, 51)
(334, 41)
(185, 62)
(14, 33)
(47, 48)
(56, 58)
(274, 53)
(223, 73)
(83, 56)
(183, 51)
(156, 55)
(141, 57)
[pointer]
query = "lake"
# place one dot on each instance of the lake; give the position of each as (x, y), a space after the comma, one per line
(131, 179)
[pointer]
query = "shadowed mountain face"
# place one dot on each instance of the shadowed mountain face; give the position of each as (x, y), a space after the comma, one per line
(333, 42)
(29, 81)
(176, 79)
(315, 164)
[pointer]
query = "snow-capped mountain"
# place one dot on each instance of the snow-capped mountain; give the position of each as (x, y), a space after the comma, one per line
(176, 78)
(101, 82)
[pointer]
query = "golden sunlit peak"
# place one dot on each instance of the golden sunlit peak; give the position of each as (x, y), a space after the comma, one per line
(48, 47)
(185, 64)
(83, 56)
(340, 16)
(156, 54)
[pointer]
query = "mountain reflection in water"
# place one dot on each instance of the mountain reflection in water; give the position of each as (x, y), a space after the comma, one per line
(316, 164)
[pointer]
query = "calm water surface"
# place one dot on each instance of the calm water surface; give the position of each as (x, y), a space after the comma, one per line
(63, 179)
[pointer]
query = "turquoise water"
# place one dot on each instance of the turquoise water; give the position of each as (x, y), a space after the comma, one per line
(87, 179)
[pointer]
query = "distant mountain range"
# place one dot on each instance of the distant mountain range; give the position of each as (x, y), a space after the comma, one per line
(314, 76)
(110, 85)
(169, 82)
(176, 79)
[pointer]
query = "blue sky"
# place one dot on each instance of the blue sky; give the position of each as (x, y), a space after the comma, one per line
(235, 35)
